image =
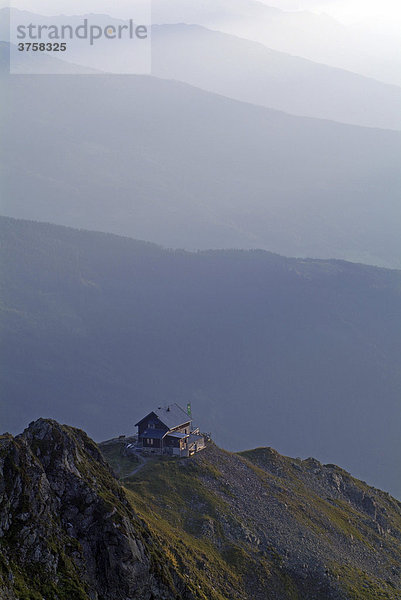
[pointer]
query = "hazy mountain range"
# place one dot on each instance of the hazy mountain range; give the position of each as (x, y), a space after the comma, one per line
(257, 129)
(250, 72)
(317, 37)
(301, 355)
(165, 162)
(234, 67)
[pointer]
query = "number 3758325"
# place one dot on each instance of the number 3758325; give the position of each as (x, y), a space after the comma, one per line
(42, 47)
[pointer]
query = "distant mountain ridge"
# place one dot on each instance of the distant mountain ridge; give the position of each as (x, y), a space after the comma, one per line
(313, 36)
(301, 355)
(241, 69)
(249, 526)
(172, 164)
(251, 72)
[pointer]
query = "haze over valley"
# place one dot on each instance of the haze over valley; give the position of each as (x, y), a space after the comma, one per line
(261, 132)
(165, 162)
(300, 355)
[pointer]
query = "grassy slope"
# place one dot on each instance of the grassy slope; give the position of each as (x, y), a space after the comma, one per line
(208, 514)
(121, 464)
(218, 526)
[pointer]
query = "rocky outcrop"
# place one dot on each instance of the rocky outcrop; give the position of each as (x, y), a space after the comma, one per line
(217, 526)
(282, 528)
(66, 528)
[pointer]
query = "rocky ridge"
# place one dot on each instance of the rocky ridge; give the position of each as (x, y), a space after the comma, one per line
(281, 528)
(217, 526)
(66, 528)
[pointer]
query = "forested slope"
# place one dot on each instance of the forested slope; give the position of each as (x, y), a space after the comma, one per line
(301, 355)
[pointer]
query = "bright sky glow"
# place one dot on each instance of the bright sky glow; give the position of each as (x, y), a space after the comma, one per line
(350, 11)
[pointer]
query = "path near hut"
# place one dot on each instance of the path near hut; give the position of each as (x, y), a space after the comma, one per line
(143, 462)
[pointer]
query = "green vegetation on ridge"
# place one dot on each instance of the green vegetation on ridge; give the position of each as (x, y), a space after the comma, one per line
(261, 525)
(216, 526)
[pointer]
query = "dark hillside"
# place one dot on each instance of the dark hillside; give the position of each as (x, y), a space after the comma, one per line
(303, 355)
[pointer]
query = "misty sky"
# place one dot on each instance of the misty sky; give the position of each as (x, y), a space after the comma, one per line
(347, 10)
(122, 8)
